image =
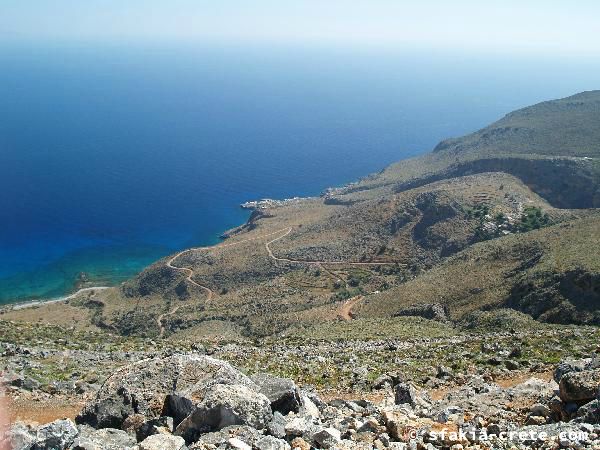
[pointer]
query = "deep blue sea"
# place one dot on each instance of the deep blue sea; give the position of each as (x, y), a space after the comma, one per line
(114, 156)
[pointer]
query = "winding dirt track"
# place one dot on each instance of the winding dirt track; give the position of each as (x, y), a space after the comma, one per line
(310, 261)
(160, 318)
(190, 273)
(346, 310)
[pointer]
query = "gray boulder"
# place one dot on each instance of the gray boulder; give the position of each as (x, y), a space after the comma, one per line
(272, 443)
(226, 405)
(105, 439)
(162, 442)
(579, 387)
(589, 413)
(19, 437)
(327, 438)
(302, 427)
(569, 365)
(539, 409)
(109, 411)
(221, 438)
(57, 435)
(281, 392)
(405, 393)
(155, 387)
(309, 406)
(276, 427)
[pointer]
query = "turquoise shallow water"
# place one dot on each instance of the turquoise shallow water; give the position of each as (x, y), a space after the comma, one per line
(112, 157)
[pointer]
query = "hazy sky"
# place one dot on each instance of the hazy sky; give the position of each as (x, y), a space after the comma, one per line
(507, 25)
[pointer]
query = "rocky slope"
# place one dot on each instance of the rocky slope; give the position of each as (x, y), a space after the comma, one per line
(197, 402)
(440, 294)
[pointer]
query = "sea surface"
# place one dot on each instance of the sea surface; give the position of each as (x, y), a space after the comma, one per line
(114, 156)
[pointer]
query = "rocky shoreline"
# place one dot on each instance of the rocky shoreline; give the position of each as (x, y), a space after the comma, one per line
(35, 303)
(269, 203)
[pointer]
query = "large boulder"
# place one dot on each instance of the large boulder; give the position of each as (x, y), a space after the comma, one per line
(225, 405)
(570, 365)
(281, 392)
(19, 437)
(105, 439)
(579, 387)
(162, 386)
(57, 435)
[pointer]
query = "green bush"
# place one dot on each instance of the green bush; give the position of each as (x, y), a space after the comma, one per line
(533, 218)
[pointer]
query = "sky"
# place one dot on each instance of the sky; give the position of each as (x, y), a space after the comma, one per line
(548, 26)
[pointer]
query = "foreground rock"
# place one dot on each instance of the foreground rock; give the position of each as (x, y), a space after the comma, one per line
(167, 386)
(162, 442)
(580, 386)
(105, 439)
(282, 393)
(59, 435)
(200, 403)
(224, 406)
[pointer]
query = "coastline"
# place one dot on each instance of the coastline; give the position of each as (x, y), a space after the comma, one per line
(34, 303)
(257, 209)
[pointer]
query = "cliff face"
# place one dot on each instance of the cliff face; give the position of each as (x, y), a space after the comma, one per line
(563, 182)
(553, 147)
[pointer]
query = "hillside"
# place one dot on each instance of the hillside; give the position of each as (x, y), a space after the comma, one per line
(501, 218)
(552, 128)
(552, 147)
(550, 274)
(455, 291)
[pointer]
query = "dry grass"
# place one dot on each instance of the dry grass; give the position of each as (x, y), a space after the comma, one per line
(28, 411)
